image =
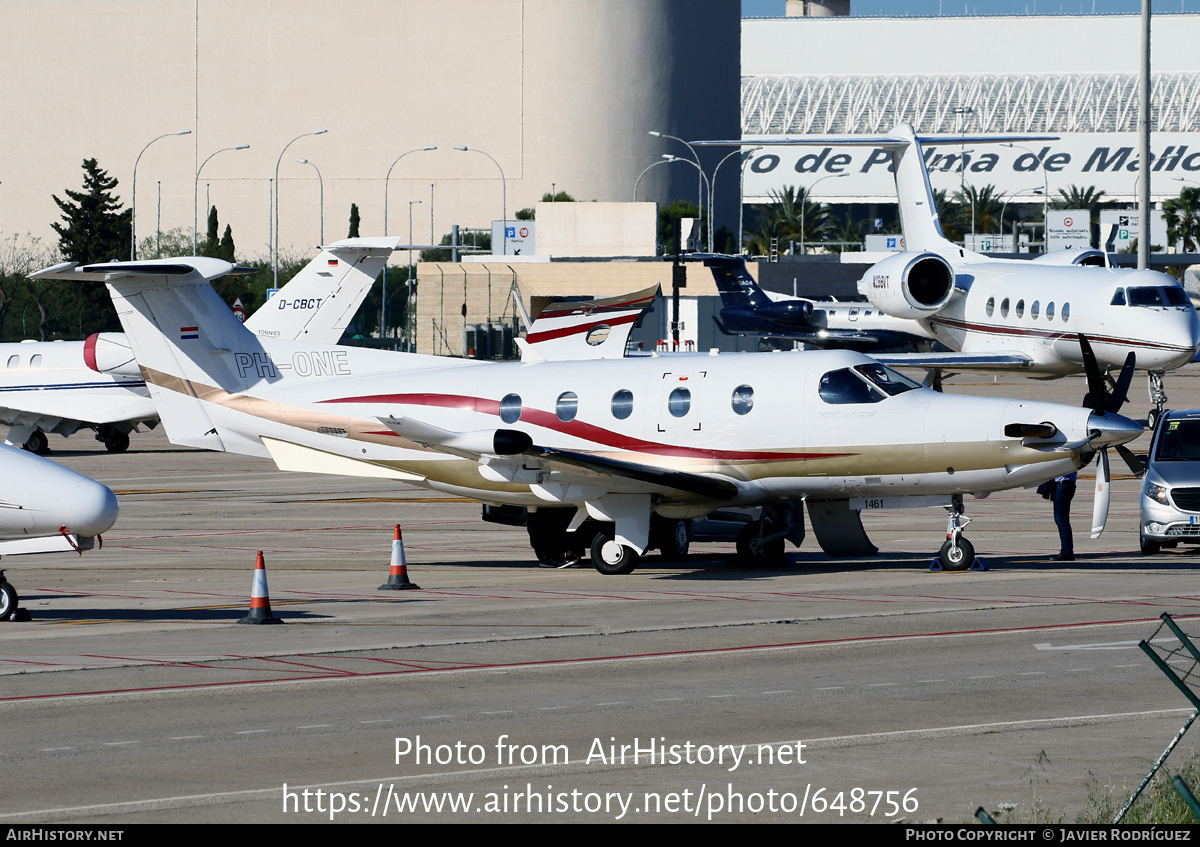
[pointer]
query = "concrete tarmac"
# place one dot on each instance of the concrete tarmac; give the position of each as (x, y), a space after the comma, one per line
(827, 690)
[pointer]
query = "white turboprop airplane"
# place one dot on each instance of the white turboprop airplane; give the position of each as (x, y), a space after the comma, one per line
(46, 508)
(63, 386)
(1012, 313)
(638, 445)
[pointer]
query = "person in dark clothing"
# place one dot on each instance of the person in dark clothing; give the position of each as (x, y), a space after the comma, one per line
(1061, 490)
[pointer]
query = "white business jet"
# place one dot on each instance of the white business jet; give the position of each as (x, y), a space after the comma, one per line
(1012, 313)
(63, 386)
(628, 443)
(46, 508)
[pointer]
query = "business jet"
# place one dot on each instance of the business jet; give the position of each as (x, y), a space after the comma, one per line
(638, 445)
(46, 508)
(1011, 313)
(64, 386)
(748, 309)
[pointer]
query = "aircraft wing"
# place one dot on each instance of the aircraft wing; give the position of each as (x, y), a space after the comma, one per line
(577, 330)
(73, 412)
(507, 453)
(958, 361)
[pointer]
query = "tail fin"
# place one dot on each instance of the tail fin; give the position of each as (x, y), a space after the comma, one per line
(176, 323)
(734, 283)
(318, 303)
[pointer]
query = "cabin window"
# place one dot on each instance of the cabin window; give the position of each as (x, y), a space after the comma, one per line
(842, 387)
(1050, 311)
(1034, 310)
(1020, 308)
(510, 408)
(13, 361)
(742, 400)
(1066, 312)
(622, 404)
(36, 361)
(679, 402)
(1004, 308)
(1118, 297)
(567, 406)
(597, 334)
(990, 307)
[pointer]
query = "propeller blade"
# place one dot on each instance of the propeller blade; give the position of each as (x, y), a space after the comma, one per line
(1131, 459)
(1120, 392)
(1097, 394)
(1100, 506)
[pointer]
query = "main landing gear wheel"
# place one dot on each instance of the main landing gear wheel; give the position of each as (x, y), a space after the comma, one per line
(957, 557)
(612, 558)
(119, 443)
(672, 538)
(754, 553)
(38, 443)
(1152, 418)
(8, 601)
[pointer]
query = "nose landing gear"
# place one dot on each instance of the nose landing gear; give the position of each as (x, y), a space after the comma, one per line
(957, 554)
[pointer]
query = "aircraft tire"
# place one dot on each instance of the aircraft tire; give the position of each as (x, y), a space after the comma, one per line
(1149, 548)
(750, 555)
(38, 443)
(1152, 419)
(672, 539)
(119, 443)
(957, 558)
(612, 558)
(9, 601)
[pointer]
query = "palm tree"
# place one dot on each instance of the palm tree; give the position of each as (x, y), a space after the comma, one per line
(790, 216)
(981, 207)
(1182, 215)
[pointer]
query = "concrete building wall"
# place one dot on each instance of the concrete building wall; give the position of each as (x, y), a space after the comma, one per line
(557, 92)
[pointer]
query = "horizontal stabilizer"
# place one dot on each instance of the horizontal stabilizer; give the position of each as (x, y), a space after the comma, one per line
(296, 457)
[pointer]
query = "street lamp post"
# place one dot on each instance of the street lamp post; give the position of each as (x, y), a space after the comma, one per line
(503, 199)
(133, 202)
(389, 176)
(275, 244)
(803, 202)
(196, 194)
(321, 183)
(1045, 189)
(638, 181)
(408, 282)
(701, 184)
(713, 193)
(1004, 207)
(671, 158)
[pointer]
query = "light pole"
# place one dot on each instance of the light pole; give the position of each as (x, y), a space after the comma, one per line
(700, 185)
(275, 245)
(321, 183)
(712, 194)
(389, 176)
(1045, 189)
(1004, 205)
(408, 280)
(671, 158)
(503, 199)
(133, 202)
(804, 201)
(196, 193)
(638, 181)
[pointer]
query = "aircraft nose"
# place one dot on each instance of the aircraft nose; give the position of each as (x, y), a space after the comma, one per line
(94, 507)
(1113, 429)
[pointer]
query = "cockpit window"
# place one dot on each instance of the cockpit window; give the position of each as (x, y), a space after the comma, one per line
(890, 381)
(1175, 296)
(1146, 296)
(844, 387)
(1118, 297)
(1179, 442)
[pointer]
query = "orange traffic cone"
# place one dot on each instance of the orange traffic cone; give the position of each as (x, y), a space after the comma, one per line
(260, 600)
(398, 575)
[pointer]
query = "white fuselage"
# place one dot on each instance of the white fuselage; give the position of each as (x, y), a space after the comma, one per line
(1040, 311)
(42, 499)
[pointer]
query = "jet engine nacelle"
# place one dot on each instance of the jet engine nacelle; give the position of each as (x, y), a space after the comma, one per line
(110, 353)
(908, 285)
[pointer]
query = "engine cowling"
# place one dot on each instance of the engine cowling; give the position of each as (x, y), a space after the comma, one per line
(908, 285)
(110, 353)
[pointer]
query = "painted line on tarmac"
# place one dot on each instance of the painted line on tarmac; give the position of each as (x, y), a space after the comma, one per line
(274, 793)
(585, 660)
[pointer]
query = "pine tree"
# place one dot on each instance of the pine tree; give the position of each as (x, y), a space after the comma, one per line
(211, 243)
(94, 228)
(353, 221)
(225, 250)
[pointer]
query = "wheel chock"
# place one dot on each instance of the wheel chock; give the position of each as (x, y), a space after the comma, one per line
(978, 565)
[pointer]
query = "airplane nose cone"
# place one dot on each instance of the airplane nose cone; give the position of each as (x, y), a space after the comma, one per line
(94, 508)
(1113, 429)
